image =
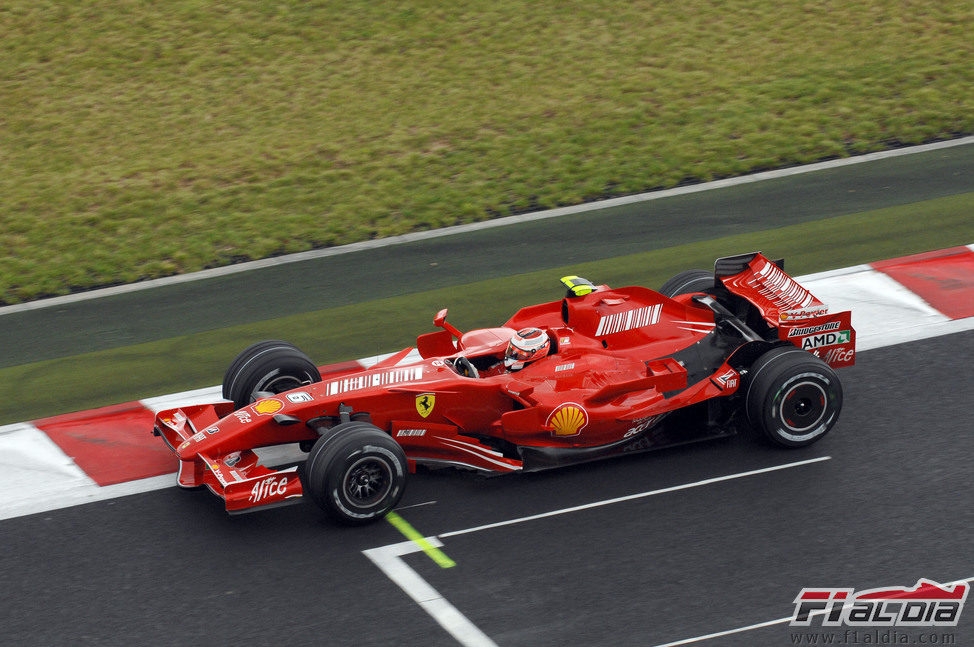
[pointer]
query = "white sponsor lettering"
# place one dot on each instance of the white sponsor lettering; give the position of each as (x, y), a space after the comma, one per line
(803, 313)
(838, 355)
(269, 487)
(728, 380)
(411, 432)
(629, 320)
(565, 367)
(779, 288)
(299, 396)
(811, 330)
(242, 416)
(825, 339)
(370, 380)
(642, 424)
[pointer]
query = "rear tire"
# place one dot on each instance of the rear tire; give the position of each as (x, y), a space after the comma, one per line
(689, 282)
(271, 366)
(356, 473)
(792, 397)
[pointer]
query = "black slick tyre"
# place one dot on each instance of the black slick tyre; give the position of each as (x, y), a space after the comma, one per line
(688, 282)
(356, 473)
(792, 397)
(267, 367)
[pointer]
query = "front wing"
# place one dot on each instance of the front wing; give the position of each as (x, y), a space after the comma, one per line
(238, 478)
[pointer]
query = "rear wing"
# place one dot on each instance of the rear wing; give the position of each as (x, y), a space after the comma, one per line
(798, 316)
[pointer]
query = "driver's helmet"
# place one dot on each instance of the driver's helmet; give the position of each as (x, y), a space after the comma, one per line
(527, 345)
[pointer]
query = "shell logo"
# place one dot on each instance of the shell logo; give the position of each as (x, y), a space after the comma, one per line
(268, 407)
(567, 420)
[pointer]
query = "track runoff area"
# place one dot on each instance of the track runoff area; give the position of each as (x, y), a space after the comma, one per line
(106, 453)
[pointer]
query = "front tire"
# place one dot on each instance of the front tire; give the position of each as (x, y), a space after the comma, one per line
(793, 397)
(356, 473)
(271, 366)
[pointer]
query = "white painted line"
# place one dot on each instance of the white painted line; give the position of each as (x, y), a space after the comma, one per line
(476, 226)
(389, 560)
(160, 482)
(415, 505)
(769, 623)
(631, 497)
(719, 634)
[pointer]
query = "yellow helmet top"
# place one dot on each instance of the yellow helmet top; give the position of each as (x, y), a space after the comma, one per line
(577, 286)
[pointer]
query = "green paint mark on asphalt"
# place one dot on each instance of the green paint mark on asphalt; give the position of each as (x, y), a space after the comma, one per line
(413, 535)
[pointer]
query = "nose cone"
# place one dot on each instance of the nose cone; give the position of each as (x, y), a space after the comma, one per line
(200, 441)
(186, 451)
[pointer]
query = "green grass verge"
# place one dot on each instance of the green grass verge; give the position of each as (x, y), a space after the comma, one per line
(353, 331)
(146, 139)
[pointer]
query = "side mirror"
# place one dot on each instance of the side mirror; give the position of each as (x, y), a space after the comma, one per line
(440, 318)
(440, 322)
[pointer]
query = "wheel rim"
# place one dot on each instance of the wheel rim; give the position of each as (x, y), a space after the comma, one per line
(367, 481)
(280, 384)
(803, 407)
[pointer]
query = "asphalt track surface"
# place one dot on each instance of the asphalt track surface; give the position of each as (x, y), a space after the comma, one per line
(893, 504)
(278, 291)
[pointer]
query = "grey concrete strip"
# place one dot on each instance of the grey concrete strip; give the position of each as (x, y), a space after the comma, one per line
(477, 226)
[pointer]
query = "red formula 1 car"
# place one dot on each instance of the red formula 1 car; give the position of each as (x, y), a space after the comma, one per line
(621, 370)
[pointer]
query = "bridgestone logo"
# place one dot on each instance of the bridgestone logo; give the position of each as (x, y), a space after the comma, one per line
(811, 330)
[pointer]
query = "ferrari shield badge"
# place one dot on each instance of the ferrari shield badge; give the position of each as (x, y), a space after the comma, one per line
(425, 403)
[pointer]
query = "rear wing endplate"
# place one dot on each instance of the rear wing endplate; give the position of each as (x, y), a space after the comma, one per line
(797, 315)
